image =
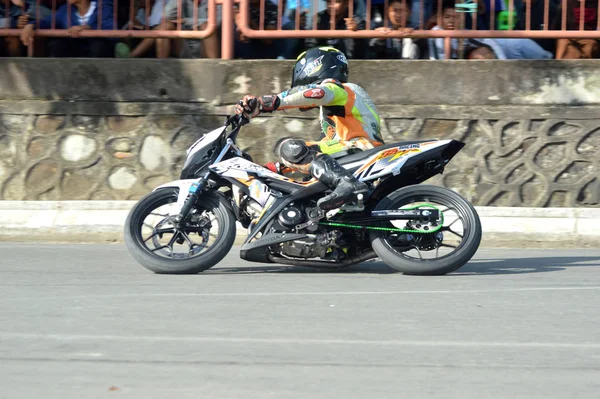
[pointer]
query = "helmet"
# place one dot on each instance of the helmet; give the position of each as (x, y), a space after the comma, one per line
(318, 64)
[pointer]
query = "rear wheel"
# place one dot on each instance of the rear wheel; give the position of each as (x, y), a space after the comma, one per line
(433, 248)
(153, 239)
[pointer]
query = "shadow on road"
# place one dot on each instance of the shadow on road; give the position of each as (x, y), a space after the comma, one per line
(372, 267)
(526, 265)
(476, 267)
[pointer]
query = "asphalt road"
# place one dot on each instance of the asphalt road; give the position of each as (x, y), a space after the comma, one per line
(85, 321)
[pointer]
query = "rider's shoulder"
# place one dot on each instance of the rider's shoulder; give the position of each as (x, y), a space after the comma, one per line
(356, 88)
(331, 82)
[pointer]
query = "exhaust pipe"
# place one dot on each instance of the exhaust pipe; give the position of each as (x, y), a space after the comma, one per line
(323, 264)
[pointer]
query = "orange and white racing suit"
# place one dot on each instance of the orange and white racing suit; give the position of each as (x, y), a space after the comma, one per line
(348, 119)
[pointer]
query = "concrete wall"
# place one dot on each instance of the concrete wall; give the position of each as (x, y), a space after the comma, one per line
(113, 129)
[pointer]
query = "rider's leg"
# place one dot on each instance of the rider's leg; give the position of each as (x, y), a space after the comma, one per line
(296, 154)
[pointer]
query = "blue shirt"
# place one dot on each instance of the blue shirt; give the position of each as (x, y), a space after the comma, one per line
(62, 15)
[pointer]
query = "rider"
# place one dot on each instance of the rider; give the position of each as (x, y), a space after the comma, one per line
(348, 118)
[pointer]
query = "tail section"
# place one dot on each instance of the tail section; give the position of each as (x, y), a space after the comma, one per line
(398, 159)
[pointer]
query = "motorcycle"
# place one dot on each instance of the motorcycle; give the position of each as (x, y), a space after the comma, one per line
(189, 225)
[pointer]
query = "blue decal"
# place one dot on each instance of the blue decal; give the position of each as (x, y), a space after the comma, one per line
(194, 187)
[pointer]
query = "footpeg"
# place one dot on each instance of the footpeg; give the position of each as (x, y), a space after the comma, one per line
(355, 208)
(359, 200)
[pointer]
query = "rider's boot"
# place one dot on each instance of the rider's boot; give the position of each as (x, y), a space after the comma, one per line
(344, 185)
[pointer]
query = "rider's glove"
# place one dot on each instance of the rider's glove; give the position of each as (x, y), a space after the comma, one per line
(252, 106)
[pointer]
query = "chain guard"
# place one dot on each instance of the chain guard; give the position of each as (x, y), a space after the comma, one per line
(411, 223)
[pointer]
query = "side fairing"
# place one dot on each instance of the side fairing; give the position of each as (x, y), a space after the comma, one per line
(245, 171)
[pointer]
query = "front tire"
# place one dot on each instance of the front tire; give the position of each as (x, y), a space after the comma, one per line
(398, 259)
(200, 256)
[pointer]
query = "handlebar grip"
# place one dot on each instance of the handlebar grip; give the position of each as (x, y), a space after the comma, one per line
(253, 103)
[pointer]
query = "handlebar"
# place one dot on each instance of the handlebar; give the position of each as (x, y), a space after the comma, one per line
(240, 120)
(236, 120)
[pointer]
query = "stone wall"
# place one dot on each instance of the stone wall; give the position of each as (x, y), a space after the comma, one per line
(114, 130)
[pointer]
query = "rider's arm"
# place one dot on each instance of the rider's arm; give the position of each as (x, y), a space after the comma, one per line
(325, 94)
(328, 93)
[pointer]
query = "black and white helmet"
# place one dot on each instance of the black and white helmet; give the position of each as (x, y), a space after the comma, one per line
(318, 64)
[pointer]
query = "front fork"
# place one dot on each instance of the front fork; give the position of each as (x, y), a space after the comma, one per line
(194, 192)
(198, 187)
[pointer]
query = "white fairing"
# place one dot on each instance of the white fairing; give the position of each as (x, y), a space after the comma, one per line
(238, 168)
(205, 140)
(184, 185)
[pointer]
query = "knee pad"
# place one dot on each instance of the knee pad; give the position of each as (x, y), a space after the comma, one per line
(294, 151)
(278, 144)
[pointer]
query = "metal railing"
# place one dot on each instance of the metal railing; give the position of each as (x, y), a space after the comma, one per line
(209, 29)
(466, 10)
(554, 27)
(469, 7)
(195, 33)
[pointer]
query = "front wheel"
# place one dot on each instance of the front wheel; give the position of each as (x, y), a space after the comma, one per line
(433, 248)
(153, 239)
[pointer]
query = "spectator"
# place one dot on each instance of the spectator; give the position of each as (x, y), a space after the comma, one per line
(500, 6)
(482, 52)
(353, 48)
(449, 19)
(578, 48)
(293, 46)
(207, 48)
(399, 12)
(523, 49)
(145, 46)
(310, 8)
(428, 7)
(482, 16)
(305, 11)
(502, 48)
(537, 19)
(83, 15)
(17, 16)
(246, 48)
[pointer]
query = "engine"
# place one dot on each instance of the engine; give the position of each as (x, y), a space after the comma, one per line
(287, 220)
(290, 217)
(325, 245)
(319, 243)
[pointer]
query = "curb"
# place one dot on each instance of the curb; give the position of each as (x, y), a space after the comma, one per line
(102, 222)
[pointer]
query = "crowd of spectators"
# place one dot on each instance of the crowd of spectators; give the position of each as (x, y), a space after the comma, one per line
(400, 15)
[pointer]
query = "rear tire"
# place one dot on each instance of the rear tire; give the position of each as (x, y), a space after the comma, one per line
(196, 264)
(429, 267)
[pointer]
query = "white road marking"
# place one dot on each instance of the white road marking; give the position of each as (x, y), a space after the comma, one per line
(138, 338)
(89, 354)
(346, 293)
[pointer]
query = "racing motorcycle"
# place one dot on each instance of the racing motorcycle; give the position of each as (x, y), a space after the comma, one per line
(189, 225)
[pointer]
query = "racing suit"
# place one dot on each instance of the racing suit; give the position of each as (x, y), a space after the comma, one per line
(348, 120)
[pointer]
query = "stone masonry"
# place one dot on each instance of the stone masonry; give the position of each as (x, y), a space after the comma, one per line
(55, 147)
